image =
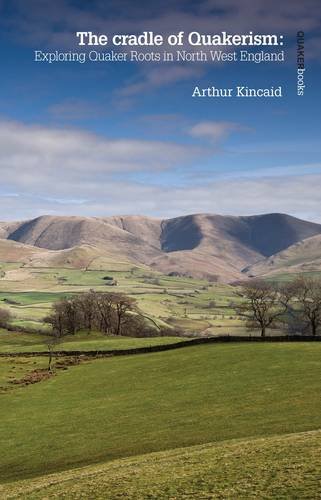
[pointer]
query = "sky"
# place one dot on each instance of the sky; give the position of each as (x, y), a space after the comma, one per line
(101, 139)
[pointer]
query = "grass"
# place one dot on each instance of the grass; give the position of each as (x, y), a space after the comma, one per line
(285, 277)
(119, 407)
(28, 298)
(30, 292)
(215, 416)
(274, 467)
(14, 369)
(27, 342)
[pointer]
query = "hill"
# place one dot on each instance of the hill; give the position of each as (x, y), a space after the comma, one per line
(10, 251)
(31, 256)
(108, 409)
(274, 467)
(200, 245)
(302, 257)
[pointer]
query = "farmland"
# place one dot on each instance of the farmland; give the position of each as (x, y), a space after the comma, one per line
(106, 410)
(206, 421)
(274, 467)
(195, 305)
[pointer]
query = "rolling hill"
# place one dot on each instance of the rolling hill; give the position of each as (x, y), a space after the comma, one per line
(10, 251)
(120, 407)
(272, 467)
(200, 245)
(302, 257)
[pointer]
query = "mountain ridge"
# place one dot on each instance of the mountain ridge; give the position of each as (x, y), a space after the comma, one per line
(200, 245)
(301, 257)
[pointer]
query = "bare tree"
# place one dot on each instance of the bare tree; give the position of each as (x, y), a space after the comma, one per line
(122, 306)
(303, 297)
(107, 312)
(71, 316)
(86, 304)
(51, 344)
(57, 319)
(64, 318)
(261, 306)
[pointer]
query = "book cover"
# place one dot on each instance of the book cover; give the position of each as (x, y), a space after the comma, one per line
(160, 249)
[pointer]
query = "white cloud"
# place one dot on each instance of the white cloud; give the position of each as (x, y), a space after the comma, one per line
(295, 195)
(153, 77)
(215, 131)
(35, 22)
(76, 109)
(53, 159)
(58, 171)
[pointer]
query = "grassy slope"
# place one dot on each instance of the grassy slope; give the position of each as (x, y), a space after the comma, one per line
(113, 408)
(275, 467)
(173, 301)
(302, 257)
(29, 293)
(12, 369)
(27, 342)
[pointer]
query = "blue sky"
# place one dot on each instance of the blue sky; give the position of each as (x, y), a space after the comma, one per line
(128, 138)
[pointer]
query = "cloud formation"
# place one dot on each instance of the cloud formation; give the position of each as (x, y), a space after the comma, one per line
(215, 131)
(35, 157)
(150, 78)
(297, 195)
(57, 171)
(75, 109)
(54, 24)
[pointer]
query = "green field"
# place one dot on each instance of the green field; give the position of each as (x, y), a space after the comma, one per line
(28, 342)
(191, 304)
(114, 408)
(14, 369)
(220, 421)
(274, 467)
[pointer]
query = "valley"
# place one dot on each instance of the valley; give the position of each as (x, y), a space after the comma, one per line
(179, 270)
(188, 418)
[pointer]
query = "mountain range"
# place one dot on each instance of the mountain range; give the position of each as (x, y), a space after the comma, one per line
(200, 245)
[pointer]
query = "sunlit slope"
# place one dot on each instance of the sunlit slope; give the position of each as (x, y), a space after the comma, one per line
(79, 257)
(118, 407)
(303, 257)
(286, 466)
(201, 245)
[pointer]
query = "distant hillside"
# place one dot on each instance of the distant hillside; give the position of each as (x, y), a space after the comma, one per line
(201, 245)
(304, 256)
(79, 257)
(10, 251)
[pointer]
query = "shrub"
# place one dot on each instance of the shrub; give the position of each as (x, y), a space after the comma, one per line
(5, 317)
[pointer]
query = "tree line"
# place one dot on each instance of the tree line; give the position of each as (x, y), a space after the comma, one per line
(109, 313)
(293, 306)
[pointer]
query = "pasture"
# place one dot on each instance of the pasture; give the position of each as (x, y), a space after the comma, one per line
(237, 420)
(274, 467)
(112, 408)
(196, 306)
